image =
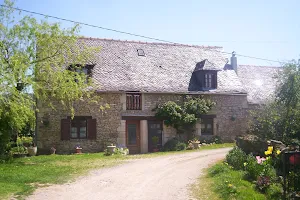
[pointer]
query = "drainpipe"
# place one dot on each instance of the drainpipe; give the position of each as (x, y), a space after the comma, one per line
(36, 123)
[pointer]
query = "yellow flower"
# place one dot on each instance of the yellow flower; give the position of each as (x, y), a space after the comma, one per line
(268, 152)
(229, 185)
(278, 152)
(245, 164)
(270, 148)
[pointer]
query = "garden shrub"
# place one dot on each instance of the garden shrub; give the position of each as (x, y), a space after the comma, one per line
(236, 158)
(217, 139)
(18, 150)
(174, 145)
(180, 146)
(252, 168)
(218, 169)
(274, 191)
(262, 183)
(171, 145)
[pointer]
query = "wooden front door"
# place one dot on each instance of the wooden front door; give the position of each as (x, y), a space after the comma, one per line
(133, 136)
(154, 130)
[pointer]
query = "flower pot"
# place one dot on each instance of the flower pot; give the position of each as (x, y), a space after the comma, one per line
(155, 150)
(111, 149)
(78, 150)
(196, 145)
(32, 151)
(295, 159)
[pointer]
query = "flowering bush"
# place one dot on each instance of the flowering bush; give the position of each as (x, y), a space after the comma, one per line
(236, 158)
(263, 182)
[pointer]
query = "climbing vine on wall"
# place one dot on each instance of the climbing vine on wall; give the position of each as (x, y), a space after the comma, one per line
(183, 117)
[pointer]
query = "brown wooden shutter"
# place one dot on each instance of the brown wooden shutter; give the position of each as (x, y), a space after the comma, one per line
(92, 129)
(65, 129)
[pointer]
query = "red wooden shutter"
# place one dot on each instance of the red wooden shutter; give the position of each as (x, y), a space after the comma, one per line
(65, 129)
(92, 129)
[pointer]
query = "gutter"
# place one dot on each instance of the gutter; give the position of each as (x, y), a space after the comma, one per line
(183, 93)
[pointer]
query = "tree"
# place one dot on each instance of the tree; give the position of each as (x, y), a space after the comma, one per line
(280, 119)
(183, 117)
(33, 58)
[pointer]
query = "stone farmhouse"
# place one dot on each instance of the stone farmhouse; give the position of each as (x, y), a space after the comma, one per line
(134, 77)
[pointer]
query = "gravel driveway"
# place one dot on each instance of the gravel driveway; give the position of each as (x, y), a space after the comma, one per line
(164, 177)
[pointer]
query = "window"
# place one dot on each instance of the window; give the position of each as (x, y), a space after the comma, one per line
(206, 126)
(140, 52)
(202, 80)
(210, 81)
(86, 70)
(80, 127)
(133, 101)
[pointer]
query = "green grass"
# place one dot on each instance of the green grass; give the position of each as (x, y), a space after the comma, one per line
(202, 189)
(23, 175)
(223, 182)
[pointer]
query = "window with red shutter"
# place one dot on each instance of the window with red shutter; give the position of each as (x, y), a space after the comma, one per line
(80, 127)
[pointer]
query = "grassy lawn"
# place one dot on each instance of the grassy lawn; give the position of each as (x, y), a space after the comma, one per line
(222, 182)
(23, 175)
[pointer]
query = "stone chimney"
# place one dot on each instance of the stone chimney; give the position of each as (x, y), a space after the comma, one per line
(233, 61)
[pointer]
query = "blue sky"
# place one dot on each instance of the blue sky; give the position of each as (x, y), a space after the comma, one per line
(267, 29)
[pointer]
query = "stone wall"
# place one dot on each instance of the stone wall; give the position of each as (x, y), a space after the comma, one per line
(108, 123)
(231, 120)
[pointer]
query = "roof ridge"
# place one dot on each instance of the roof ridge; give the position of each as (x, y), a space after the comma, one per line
(155, 43)
(260, 66)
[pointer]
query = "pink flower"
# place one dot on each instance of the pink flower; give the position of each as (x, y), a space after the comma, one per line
(260, 160)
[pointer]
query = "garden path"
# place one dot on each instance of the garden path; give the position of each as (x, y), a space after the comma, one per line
(163, 177)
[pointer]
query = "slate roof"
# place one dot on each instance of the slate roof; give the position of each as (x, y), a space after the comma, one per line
(259, 81)
(164, 68)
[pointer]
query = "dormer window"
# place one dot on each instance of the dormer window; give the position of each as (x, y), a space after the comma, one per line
(204, 76)
(210, 81)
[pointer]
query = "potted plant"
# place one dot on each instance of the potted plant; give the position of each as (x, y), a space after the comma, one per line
(32, 150)
(78, 149)
(111, 148)
(195, 142)
(155, 140)
(52, 150)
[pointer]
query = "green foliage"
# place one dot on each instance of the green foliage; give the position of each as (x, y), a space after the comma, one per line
(183, 117)
(174, 145)
(280, 118)
(197, 106)
(155, 140)
(24, 140)
(274, 191)
(236, 158)
(18, 150)
(35, 55)
(180, 146)
(218, 169)
(229, 184)
(252, 168)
